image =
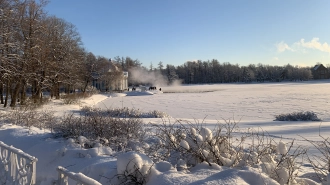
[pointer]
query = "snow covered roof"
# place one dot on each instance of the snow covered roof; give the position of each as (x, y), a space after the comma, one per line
(113, 67)
(317, 66)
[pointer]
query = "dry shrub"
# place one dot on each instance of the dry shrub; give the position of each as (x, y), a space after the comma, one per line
(117, 133)
(30, 117)
(125, 113)
(74, 97)
(321, 161)
(298, 116)
(31, 104)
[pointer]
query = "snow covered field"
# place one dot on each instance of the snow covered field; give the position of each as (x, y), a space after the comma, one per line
(249, 102)
(251, 105)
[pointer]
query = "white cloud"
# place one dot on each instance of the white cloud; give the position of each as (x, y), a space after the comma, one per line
(314, 44)
(282, 46)
(275, 58)
(303, 46)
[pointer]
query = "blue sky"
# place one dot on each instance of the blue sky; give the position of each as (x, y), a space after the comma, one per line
(275, 32)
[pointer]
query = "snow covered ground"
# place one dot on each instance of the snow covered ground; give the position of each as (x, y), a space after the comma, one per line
(249, 102)
(251, 105)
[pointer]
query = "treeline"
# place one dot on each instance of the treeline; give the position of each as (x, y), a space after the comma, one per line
(39, 53)
(215, 72)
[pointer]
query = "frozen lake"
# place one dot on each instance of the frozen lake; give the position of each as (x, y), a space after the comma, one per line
(248, 102)
(252, 106)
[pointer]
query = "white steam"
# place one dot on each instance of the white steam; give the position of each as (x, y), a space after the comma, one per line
(153, 78)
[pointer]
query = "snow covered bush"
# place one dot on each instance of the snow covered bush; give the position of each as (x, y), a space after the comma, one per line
(185, 145)
(282, 166)
(30, 117)
(31, 104)
(134, 168)
(321, 162)
(126, 113)
(298, 116)
(118, 133)
(193, 144)
(92, 90)
(74, 98)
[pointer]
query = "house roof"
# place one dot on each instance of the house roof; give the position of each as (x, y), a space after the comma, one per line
(318, 66)
(112, 66)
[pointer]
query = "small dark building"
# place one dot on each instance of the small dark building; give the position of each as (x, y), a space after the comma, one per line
(320, 72)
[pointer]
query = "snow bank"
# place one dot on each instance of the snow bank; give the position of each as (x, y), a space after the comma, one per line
(52, 153)
(59, 108)
(205, 174)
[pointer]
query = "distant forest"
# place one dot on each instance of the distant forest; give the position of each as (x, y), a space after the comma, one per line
(216, 72)
(212, 71)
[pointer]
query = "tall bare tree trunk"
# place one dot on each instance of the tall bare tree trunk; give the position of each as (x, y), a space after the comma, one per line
(40, 86)
(51, 93)
(1, 93)
(34, 91)
(23, 94)
(7, 94)
(15, 95)
(38, 94)
(57, 90)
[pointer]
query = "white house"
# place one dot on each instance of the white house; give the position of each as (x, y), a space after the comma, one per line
(114, 83)
(120, 84)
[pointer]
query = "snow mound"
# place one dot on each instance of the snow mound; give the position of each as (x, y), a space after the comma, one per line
(129, 162)
(164, 166)
(205, 174)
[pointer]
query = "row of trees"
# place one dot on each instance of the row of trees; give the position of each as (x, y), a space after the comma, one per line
(215, 72)
(36, 51)
(41, 53)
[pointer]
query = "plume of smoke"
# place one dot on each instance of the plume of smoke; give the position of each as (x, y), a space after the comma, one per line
(154, 78)
(177, 82)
